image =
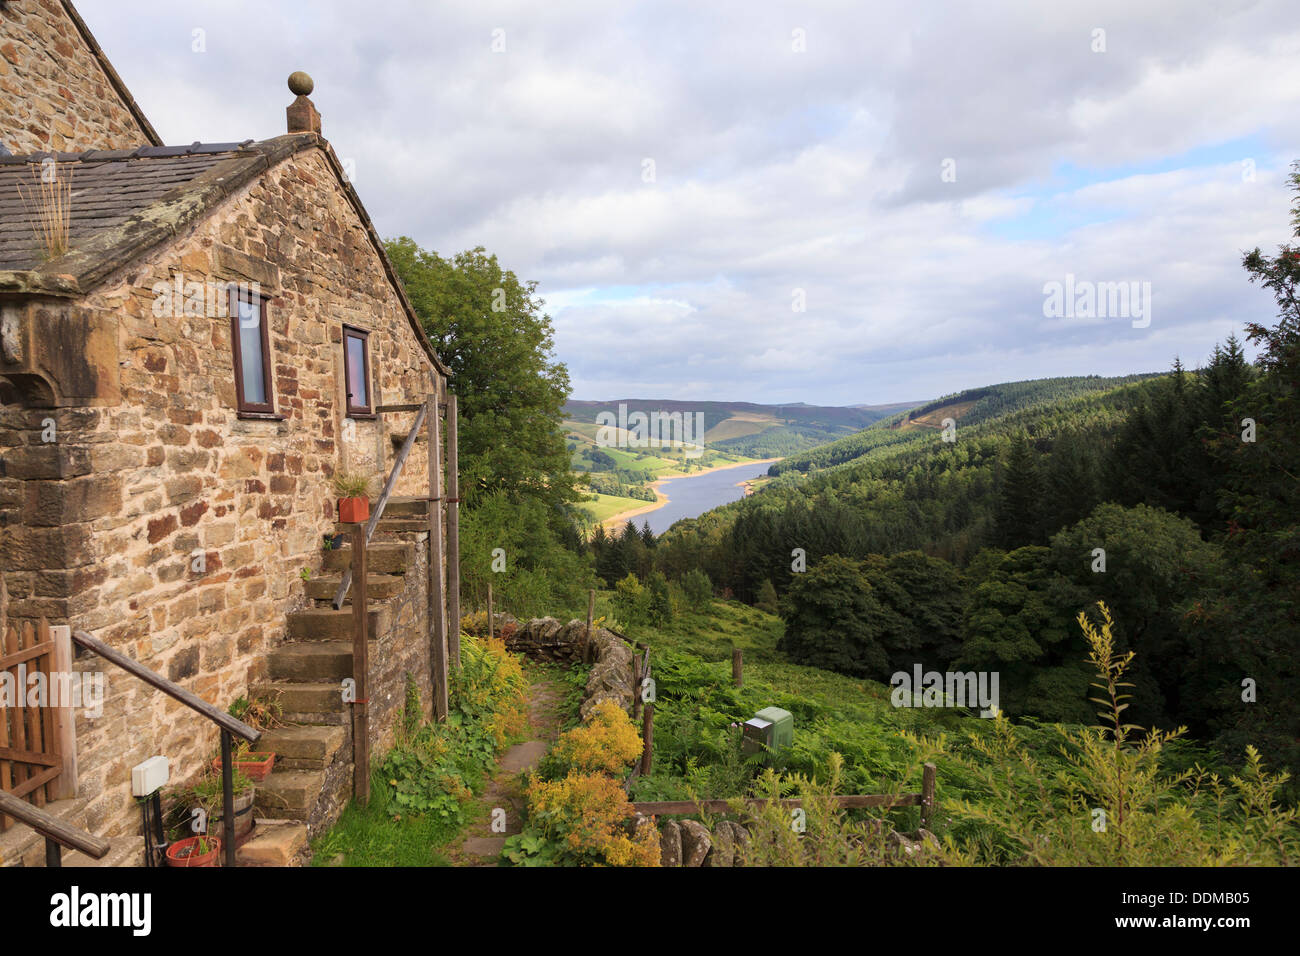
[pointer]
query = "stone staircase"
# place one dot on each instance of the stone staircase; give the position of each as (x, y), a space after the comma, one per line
(20, 845)
(312, 779)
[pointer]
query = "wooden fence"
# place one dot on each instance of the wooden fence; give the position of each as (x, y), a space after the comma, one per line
(36, 742)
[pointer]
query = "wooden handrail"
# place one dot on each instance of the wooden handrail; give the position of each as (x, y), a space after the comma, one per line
(52, 828)
(175, 691)
(382, 503)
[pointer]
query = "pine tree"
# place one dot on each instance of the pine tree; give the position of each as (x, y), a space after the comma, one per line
(1019, 496)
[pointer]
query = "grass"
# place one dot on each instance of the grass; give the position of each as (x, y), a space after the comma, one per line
(380, 835)
(606, 506)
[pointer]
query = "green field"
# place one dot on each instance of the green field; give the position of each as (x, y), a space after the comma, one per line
(606, 506)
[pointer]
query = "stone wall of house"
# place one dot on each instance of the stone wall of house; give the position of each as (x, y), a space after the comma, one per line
(56, 94)
(174, 530)
(402, 651)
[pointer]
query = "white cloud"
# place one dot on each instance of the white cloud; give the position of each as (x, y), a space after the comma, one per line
(778, 170)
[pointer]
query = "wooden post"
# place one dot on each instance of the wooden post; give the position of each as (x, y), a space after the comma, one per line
(360, 666)
(437, 597)
(65, 718)
(647, 739)
(591, 617)
(492, 627)
(453, 532)
(636, 686)
(737, 667)
(927, 795)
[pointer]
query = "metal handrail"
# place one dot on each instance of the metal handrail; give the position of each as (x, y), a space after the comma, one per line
(382, 503)
(230, 726)
(57, 833)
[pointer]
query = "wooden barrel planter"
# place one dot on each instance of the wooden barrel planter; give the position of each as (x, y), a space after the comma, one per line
(243, 816)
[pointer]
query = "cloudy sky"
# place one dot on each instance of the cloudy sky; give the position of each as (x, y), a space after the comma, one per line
(831, 202)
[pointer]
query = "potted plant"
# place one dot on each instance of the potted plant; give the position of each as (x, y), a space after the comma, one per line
(260, 715)
(354, 496)
(195, 851)
(209, 795)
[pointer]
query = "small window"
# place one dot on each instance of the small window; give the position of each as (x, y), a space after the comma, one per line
(252, 352)
(356, 369)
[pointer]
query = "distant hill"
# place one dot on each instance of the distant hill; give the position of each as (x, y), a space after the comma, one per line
(750, 429)
(967, 408)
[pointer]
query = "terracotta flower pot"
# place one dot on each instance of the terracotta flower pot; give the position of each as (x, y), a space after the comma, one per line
(256, 766)
(186, 852)
(354, 510)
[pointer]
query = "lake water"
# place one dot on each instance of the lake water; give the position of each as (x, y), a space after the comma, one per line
(693, 495)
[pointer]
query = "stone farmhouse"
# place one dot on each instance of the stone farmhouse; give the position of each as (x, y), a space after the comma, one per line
(220, 334)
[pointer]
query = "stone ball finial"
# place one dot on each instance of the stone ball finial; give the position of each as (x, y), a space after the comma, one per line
(300, 84)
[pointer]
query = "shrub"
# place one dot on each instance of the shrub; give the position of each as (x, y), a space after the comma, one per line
(822, 835)
(659, 600)
(1116, 804)
(631, 600)
(607, 743)
(581, 820)
(697, 588)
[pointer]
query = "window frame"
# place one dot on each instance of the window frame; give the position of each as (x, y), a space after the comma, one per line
(357, 411)
(244, 407)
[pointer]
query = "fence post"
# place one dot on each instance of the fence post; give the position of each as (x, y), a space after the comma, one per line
(927, 795)
(737, 667)
(453, 531)
(647, 738)
(360, 667)
(492, 629)
(591, 616)
(437, 598)
(65, 718)
(636, 685)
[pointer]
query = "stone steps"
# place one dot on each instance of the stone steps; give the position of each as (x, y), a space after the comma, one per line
(276, 845)
(406, 507)
(379, 587)
(327, 624)
(289, 794)
(382, 557)
(312, 747)
(312, 662)
(318, 702)
(313, 768)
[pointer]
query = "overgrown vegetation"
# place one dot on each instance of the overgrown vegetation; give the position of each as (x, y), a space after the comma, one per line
(577, 809)
(423, 787)
(1009, 792)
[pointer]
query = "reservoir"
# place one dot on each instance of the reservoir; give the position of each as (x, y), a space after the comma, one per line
(693, 495)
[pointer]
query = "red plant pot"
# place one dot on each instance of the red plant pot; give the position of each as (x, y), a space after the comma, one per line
(186, 852)
(256, 766)
(354, 510)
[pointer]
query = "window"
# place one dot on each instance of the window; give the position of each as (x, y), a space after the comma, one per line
(356, 372)
(252, 353)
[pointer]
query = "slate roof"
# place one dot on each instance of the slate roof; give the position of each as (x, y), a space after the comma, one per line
(128, 201)
(108, 188)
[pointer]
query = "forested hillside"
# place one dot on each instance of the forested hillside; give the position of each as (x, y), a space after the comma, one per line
(967, 408)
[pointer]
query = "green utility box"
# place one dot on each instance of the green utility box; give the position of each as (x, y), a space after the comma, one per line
(771, 727)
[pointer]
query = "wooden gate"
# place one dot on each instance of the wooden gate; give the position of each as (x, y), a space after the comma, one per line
(33, 739)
